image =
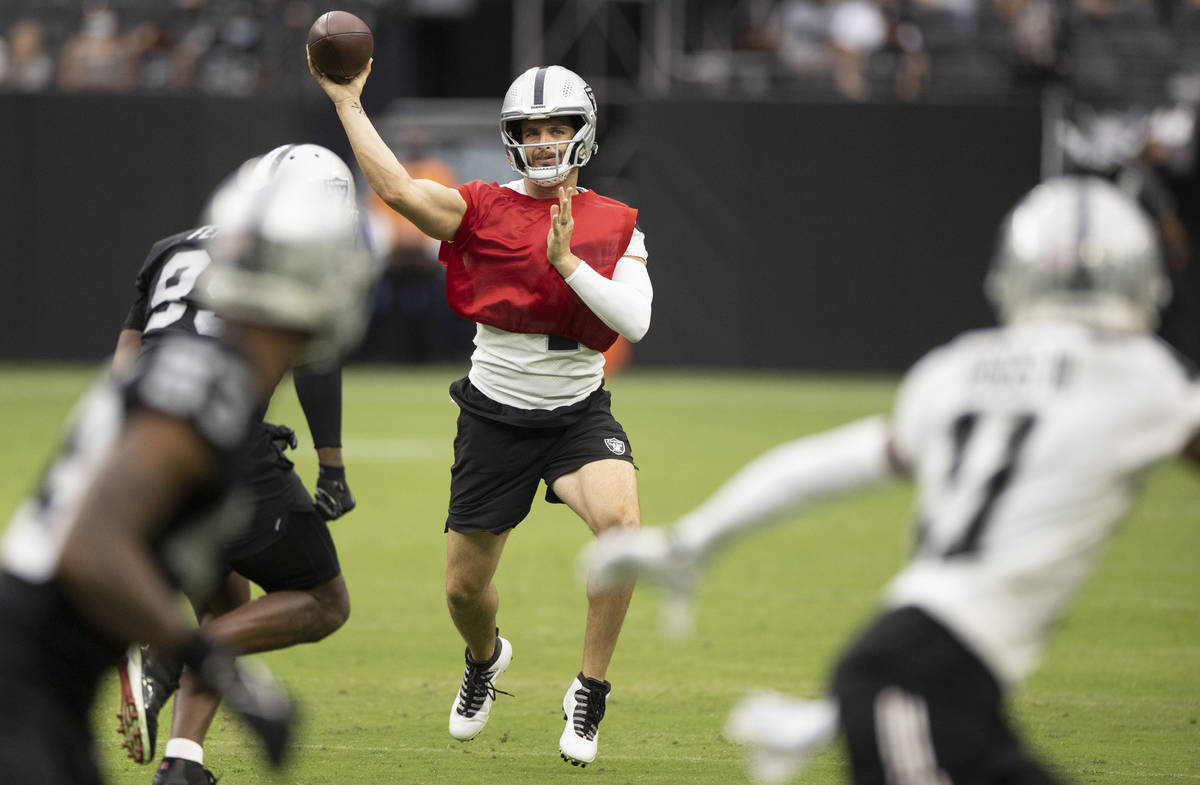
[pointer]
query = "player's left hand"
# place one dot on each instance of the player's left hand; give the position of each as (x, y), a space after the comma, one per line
(247, 688)
(282, 437)
(333, 498)
(562, 226)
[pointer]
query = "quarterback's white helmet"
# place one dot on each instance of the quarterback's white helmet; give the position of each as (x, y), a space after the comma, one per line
(543, 92)
(286, 254)
(1078, 248)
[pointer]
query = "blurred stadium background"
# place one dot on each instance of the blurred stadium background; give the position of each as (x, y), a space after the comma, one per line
(820, 182)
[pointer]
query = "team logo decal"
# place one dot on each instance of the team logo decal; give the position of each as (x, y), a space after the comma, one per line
(615, 445)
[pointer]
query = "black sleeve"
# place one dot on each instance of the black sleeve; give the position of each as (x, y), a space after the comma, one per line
(200, 381)
(320, 394)
(139, 311)
(136, 318)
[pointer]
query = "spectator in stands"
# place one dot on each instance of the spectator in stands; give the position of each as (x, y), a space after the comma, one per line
(857, 28)
(1034, 26)
(831, 40)
(160, 62)
(233, 65)
(95, 56)
(30, 65)
(803, 42)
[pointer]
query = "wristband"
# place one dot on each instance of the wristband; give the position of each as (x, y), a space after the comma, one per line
(332, 472)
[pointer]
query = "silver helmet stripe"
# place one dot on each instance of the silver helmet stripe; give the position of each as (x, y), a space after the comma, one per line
(539, 86)
(1081, 279)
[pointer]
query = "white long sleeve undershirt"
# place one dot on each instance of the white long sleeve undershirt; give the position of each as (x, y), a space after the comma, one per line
(789, 476)
(622, 303)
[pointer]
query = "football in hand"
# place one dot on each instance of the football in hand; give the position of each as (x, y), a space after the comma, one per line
(340, 44)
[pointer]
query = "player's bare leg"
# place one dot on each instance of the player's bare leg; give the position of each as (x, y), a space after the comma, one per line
(604, 494)
(280, 619)
(275, 620)
(472, 598)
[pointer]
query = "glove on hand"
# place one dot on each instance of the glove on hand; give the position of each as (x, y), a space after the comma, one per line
(282, 436)
(251, 691)
(333, 498)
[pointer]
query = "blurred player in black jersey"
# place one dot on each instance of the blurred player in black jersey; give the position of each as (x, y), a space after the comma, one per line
(287, 548)
(141, 495)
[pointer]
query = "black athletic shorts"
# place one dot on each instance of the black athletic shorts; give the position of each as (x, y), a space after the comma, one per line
(274, 495)
(915, 701)
(301, 557)
(501, 453)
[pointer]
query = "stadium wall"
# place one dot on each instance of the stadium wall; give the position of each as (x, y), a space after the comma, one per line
(823, 236)
(90, 182)
(781, 234)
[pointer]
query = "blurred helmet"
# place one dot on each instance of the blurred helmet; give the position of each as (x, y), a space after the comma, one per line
(540, 93)
(311, 162)
(287, 252)
(1077, 248)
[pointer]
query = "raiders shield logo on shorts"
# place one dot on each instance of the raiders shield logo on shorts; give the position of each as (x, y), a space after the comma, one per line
(616, 445)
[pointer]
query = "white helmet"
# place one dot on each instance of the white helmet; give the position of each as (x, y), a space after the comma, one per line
(287, 251)
(308, 161)
(1078, 248)
(543, 92)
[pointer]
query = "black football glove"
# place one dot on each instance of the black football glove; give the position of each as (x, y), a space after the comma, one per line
(333, 498)
(282, 437)
(248, 689)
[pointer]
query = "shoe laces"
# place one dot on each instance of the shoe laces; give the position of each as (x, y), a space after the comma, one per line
(477, 686)
(589, 710)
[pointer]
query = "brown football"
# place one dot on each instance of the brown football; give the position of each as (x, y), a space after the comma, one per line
(340, 44)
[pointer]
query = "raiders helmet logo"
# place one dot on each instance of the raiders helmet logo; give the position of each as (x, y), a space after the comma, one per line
(615, 445)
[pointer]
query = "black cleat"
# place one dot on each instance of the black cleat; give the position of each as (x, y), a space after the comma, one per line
(146, 684)
(177, 771)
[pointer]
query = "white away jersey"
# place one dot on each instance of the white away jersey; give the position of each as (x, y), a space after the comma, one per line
(1028, 444)
(525, 370)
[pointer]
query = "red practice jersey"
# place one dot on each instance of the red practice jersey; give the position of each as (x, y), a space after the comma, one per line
(498, 274)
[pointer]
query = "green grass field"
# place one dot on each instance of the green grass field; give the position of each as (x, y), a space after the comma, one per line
(1117, 700)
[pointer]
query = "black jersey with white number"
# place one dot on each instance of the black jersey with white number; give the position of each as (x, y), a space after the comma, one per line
(165, 305)
(198, 380)
(166, 286)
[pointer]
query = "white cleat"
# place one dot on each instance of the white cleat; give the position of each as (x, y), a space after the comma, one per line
(783, 734)
(473, 703)
(583, 708)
